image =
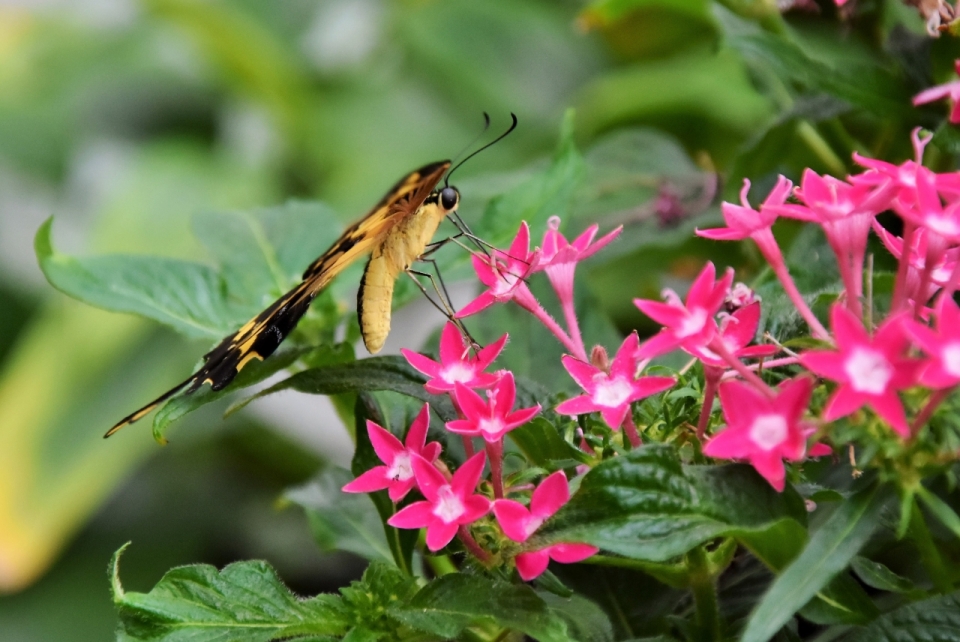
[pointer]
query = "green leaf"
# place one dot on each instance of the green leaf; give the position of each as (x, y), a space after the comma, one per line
(252, 374)
(878, 576)
(451, 603)
(245, 602)
(373, 374)
(829, 551)
(543, 445)
(585, 620)
(646, 505)
(368, 603)
(937, 618)
(189, 297)
(870, 87)
(339, 520)
(264, 252)
(941, 510)
(841, 601)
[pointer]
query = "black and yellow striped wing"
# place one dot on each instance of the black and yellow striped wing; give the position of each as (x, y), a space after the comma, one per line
(261, 336)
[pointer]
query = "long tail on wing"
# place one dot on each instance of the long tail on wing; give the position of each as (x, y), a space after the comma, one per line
(257, 339)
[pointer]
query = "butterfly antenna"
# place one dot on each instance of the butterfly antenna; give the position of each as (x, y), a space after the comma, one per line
(486, 126)
(491, 143)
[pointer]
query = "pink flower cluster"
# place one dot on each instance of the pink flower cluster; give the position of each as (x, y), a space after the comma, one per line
(451, 502)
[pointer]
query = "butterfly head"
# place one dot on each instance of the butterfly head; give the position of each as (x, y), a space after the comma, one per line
(448, 198)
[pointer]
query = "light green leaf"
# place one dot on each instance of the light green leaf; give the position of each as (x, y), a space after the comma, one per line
(878, 576)
(339, 520)
(829, 551)
(189, 297)
(245, 602)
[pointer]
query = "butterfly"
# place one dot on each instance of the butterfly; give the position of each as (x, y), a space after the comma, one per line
(395, 232)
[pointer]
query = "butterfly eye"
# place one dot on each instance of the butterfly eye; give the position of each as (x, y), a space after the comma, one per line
(449, 197)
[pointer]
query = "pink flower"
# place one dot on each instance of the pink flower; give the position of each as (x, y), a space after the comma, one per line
(763, 430)
(456, 363)
(736, 331)
(745, 222)
(926, 210)
(397, 472)
(949, 90)
(870, 370)
(845, 212)
(687, 324)
(559, 257)
(491, 418)
(611, 393)
(940, 272)
(942, 344)
(448, 505)
(503, 274)
(519, 523)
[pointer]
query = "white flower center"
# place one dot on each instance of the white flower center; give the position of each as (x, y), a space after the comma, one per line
(449, 507)
(868, 370)
(457, 372)
(768, 431)
(951, 358)
(692, 323)
(491, 426)
(506, 281)
(611, 393)
(401, 469)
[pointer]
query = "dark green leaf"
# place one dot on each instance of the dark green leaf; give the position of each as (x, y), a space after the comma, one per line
(585, 620)
(339, 520)
(842, 601)
(252, 374)
(245, 602)
(646, 505)
(936, 619)
(449, 604)
(543, 445)
(373, 374)
(189, 297)
(829, 551)
(878, 576)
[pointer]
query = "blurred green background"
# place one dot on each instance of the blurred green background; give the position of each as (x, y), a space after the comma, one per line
(123, 119)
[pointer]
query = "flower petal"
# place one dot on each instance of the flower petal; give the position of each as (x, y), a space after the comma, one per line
(512, 517)
(552, 493)
(384, 443)
(370, 481)
(532, 565)
(571, 553)
(416, 515)
(440, 534)
(466, 477)
(417, 435)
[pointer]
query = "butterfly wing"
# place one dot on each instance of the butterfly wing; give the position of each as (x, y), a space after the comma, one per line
(260, 337)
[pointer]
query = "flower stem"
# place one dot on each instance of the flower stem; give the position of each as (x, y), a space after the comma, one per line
(927, 411)
(570, 314)
(783, 275)
(471, 544)
(720, 349)
(630, 429)
(495, 455)
(467, 446)
(531, 305)
(900, 283)
(711, 381)
(771, 363)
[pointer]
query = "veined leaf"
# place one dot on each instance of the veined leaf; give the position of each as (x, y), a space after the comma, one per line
(648, 506)
(245, 602)
(937, 618)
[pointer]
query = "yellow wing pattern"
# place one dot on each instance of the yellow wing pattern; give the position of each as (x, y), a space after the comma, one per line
(261, 336)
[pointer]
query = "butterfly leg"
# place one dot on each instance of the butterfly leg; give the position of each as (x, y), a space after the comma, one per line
(444, 306)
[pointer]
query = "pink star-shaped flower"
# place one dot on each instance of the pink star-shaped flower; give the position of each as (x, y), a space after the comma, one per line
(939, 274)
(503, 274)
(949, 90)
(687, 324)
(396, 474)
(491, 418)
(764, 430)
(869, 370)
(519, 523)
(736, 331)
(448, 504)
(559, 257)
(942, 370)
(745, 222)
(456, 364)
(611, 393)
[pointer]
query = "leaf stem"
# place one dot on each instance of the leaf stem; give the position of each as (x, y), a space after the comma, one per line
(704, 594)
